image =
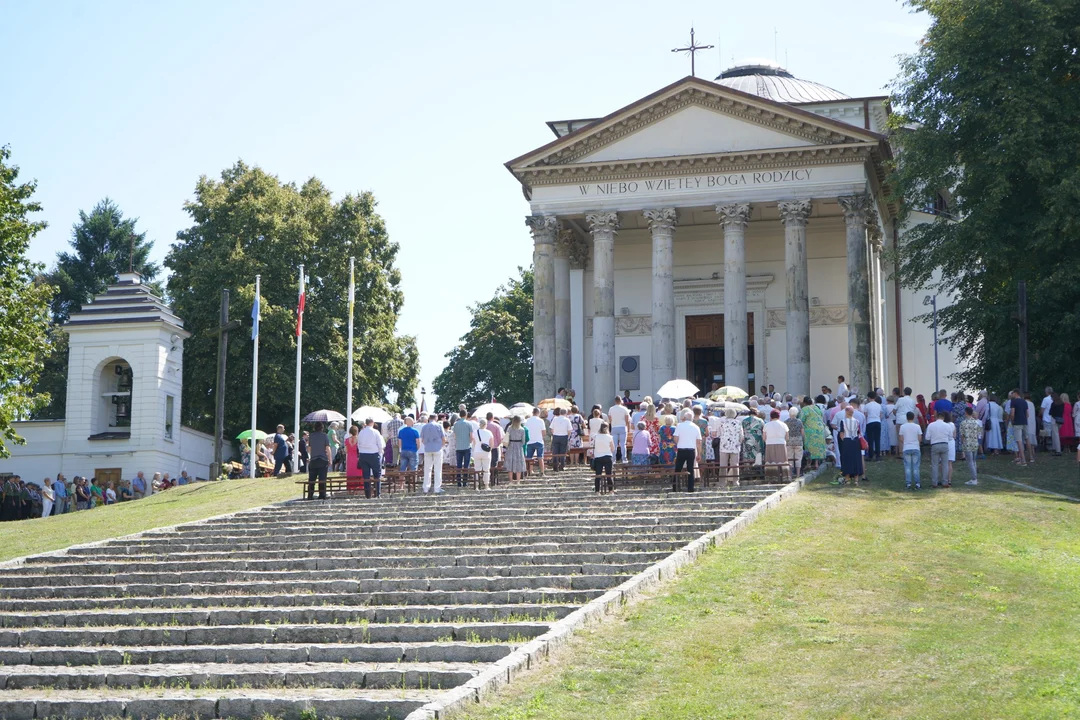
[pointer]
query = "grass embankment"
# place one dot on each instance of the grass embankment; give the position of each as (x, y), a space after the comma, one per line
(846, 603)
(178, 505)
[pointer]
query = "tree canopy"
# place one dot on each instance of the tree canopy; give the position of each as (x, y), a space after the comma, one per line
(249, 222)
(495, 356)
(987, 113)
(24, 304)
(103, 244)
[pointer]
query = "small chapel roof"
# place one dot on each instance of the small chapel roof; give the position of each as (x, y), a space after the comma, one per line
(770, 81)
(126, 301)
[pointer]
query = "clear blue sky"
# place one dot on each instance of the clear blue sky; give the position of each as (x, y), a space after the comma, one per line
(419, 102)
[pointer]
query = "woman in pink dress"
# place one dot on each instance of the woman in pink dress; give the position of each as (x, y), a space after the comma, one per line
(1068, 431)
(354, 478)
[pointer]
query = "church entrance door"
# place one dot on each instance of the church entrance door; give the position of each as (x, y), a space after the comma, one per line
(705, 349)
(106, 475)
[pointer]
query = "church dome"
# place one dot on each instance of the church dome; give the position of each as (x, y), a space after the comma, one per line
(773, 82)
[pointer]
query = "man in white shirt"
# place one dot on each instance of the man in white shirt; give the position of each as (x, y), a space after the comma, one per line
(1048, 421)
(536, 427)
(619, 418)
(872, 410)
(560, 439)
(841, 387)
(905, 404)
(775, 434)
(910, 435)
(369, 448)
(687, 449)
(939, 433)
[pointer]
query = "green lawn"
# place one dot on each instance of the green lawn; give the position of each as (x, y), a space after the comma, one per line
(178, 505)
(846, 603)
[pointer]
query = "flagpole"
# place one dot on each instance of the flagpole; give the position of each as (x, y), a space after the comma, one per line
(255, 378)
(352, 300)
(299, 348)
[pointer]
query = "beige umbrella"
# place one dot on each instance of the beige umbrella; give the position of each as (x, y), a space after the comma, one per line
(552, 403)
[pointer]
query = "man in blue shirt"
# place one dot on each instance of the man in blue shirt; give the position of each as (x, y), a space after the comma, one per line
(60, 493)
(138, 486)
(408, 436)
(281, 450)
(431, 438)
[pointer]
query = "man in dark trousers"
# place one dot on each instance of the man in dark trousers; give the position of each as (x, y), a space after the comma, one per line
(281, 451)
(319, 463)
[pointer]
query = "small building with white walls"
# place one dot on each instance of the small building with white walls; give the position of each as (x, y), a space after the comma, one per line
(125, 375)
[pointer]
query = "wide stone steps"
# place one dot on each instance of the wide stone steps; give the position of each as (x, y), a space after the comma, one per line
(346, 608)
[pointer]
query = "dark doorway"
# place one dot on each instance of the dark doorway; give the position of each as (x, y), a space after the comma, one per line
(705, 350)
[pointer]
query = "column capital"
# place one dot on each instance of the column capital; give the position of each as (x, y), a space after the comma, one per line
(734, 214)
(855, 207)
(568, 245)
(602, 221)
(661, 218)
(543, 228)
(795, 212)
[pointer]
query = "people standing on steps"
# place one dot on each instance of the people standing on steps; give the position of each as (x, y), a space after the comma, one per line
(775, 435)
(281, 451)
(390, 433)
(481, 454)
(514, 444)
(432, 439)
(873, 412)
(687, 450)
(354, 476)
(463, 442)
(639, 453)
(603, 454)
(319, 461)
(408, 438)
(850, 434)
(371, 444)
(536, 428)
(560, 439)
(619, 418)
(496, 438)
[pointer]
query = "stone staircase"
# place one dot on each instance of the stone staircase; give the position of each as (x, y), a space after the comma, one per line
(344, 608)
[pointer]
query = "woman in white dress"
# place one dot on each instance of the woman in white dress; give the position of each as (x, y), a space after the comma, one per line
(995, 415)
(888, 429)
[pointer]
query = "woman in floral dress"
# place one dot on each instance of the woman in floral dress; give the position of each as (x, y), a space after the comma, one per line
(703, 424)
(652, 424)
(577, 430)
(667, 441)
(753, 444)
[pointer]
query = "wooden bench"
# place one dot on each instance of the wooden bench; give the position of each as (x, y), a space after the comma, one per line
(335, 484)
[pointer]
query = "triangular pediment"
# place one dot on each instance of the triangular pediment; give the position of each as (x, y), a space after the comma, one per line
(689, 118)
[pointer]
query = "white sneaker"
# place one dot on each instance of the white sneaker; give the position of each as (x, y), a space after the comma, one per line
(972, 482)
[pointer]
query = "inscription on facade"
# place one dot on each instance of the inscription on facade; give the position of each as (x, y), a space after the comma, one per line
(696, 182)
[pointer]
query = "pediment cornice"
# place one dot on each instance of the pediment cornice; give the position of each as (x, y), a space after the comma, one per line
(692, 92)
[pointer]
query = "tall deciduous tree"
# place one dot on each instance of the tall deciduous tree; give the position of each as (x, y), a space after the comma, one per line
(495, 356)
(988, 112)
(249, 223)
(24, 304)
(103, 244)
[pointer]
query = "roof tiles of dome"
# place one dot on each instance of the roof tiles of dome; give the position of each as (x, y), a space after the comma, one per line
(773, 82)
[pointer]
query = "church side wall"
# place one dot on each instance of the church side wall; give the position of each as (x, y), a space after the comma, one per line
(38, 458)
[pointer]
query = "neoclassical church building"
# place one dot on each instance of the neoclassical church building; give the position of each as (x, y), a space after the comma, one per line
(732, 232)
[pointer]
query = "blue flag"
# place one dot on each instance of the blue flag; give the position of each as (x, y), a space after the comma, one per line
(255, 319)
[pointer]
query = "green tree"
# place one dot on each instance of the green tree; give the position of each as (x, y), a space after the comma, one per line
(495, 356)
(24, 304)
(988, 112)
(249, 223)
(103, 244)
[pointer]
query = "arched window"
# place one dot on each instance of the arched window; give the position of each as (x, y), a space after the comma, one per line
(111, 416)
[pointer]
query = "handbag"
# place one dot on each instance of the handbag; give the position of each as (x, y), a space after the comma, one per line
(483, 445)
(863, 444)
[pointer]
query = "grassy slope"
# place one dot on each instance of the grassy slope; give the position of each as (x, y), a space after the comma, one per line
(846, 603)
(179, 505)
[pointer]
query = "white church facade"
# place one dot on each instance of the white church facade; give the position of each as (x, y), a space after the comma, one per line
(759, 197)
(125, 375)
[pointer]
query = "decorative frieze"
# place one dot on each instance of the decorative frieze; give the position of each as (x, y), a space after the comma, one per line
(820, 316)
(626, 325)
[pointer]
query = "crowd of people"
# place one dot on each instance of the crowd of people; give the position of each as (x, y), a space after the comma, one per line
(26, 499)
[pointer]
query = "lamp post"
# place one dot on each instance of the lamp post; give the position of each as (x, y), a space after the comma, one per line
(931, 300)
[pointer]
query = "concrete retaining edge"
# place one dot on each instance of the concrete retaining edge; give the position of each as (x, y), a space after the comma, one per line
(530, 655)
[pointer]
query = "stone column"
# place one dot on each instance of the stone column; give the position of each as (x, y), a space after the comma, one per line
(794, 215)
(562, 308)
(856, 209)
(662, 225)
(544, 229)
(733, 218)
(603, 226)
